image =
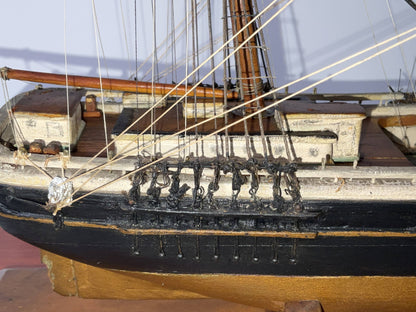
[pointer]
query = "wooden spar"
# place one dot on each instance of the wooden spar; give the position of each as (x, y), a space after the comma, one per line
(113, 84)
(247, 56)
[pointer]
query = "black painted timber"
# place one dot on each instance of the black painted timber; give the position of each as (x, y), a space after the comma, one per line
(110, 244)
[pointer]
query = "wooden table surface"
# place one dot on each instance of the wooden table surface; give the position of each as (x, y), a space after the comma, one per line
(25, 286)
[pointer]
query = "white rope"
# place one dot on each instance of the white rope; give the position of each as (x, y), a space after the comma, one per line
(44, 172)
(375, 41)
(154, 69)
(96, 33)
(174, 59)
(271, 92)
(186, 71)
(149, 57)
(226, 33)
(395, 107)
(271, 5)
(409, 74)
(66, 83)
(246, 117)
(168, 70)
(211, 50)
(16, 131)
(277, 89)
(123, 23)
(276, 103)
(185, 60)
(12, 121)
(268, 93)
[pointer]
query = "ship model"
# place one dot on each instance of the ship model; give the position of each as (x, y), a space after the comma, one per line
(194, 179)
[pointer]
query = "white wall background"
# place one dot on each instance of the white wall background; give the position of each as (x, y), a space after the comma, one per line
(308, 35)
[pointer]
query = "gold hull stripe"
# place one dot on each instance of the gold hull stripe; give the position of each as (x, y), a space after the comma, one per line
(282, 234)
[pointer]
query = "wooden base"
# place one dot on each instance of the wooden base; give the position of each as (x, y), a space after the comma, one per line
(29, 290)
(276, 293)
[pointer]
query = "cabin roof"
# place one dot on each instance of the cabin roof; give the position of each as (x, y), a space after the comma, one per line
(51, 102)
(332, 108)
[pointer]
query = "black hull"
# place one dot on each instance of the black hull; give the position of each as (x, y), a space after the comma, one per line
(329, 239)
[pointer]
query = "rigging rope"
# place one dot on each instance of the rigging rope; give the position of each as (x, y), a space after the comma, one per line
(155, 71)
(211, 50)
(185, 80)
(409, 74)
(226, 45)
(97, 40)
(256, 91)
(239, 66)
(16, 131)
(123, 22)
(186, 74)
(411, 3)
(263, 51)
(14, 126)
(143, 77)
(278, 115)
(168, 70)
(195, 62)
(173, 55)
(394, 102)
(252, 114)
(67, 85)
(272, 92)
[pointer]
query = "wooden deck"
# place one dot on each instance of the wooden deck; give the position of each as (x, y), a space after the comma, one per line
(376, 149)
(92, 139)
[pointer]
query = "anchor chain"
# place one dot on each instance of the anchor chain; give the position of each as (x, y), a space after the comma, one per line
(236, 182)
(176, 192)
(198, 192)
(213, 187)
(252, 168)
(278, 201)
(154, 190)
(282, 174)
(293, 190)
(139, 179)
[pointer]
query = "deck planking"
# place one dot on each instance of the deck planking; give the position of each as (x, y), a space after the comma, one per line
(92, 139)
(376, 149)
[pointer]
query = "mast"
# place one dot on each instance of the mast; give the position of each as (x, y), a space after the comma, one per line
(113, 84)
(247, 58)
